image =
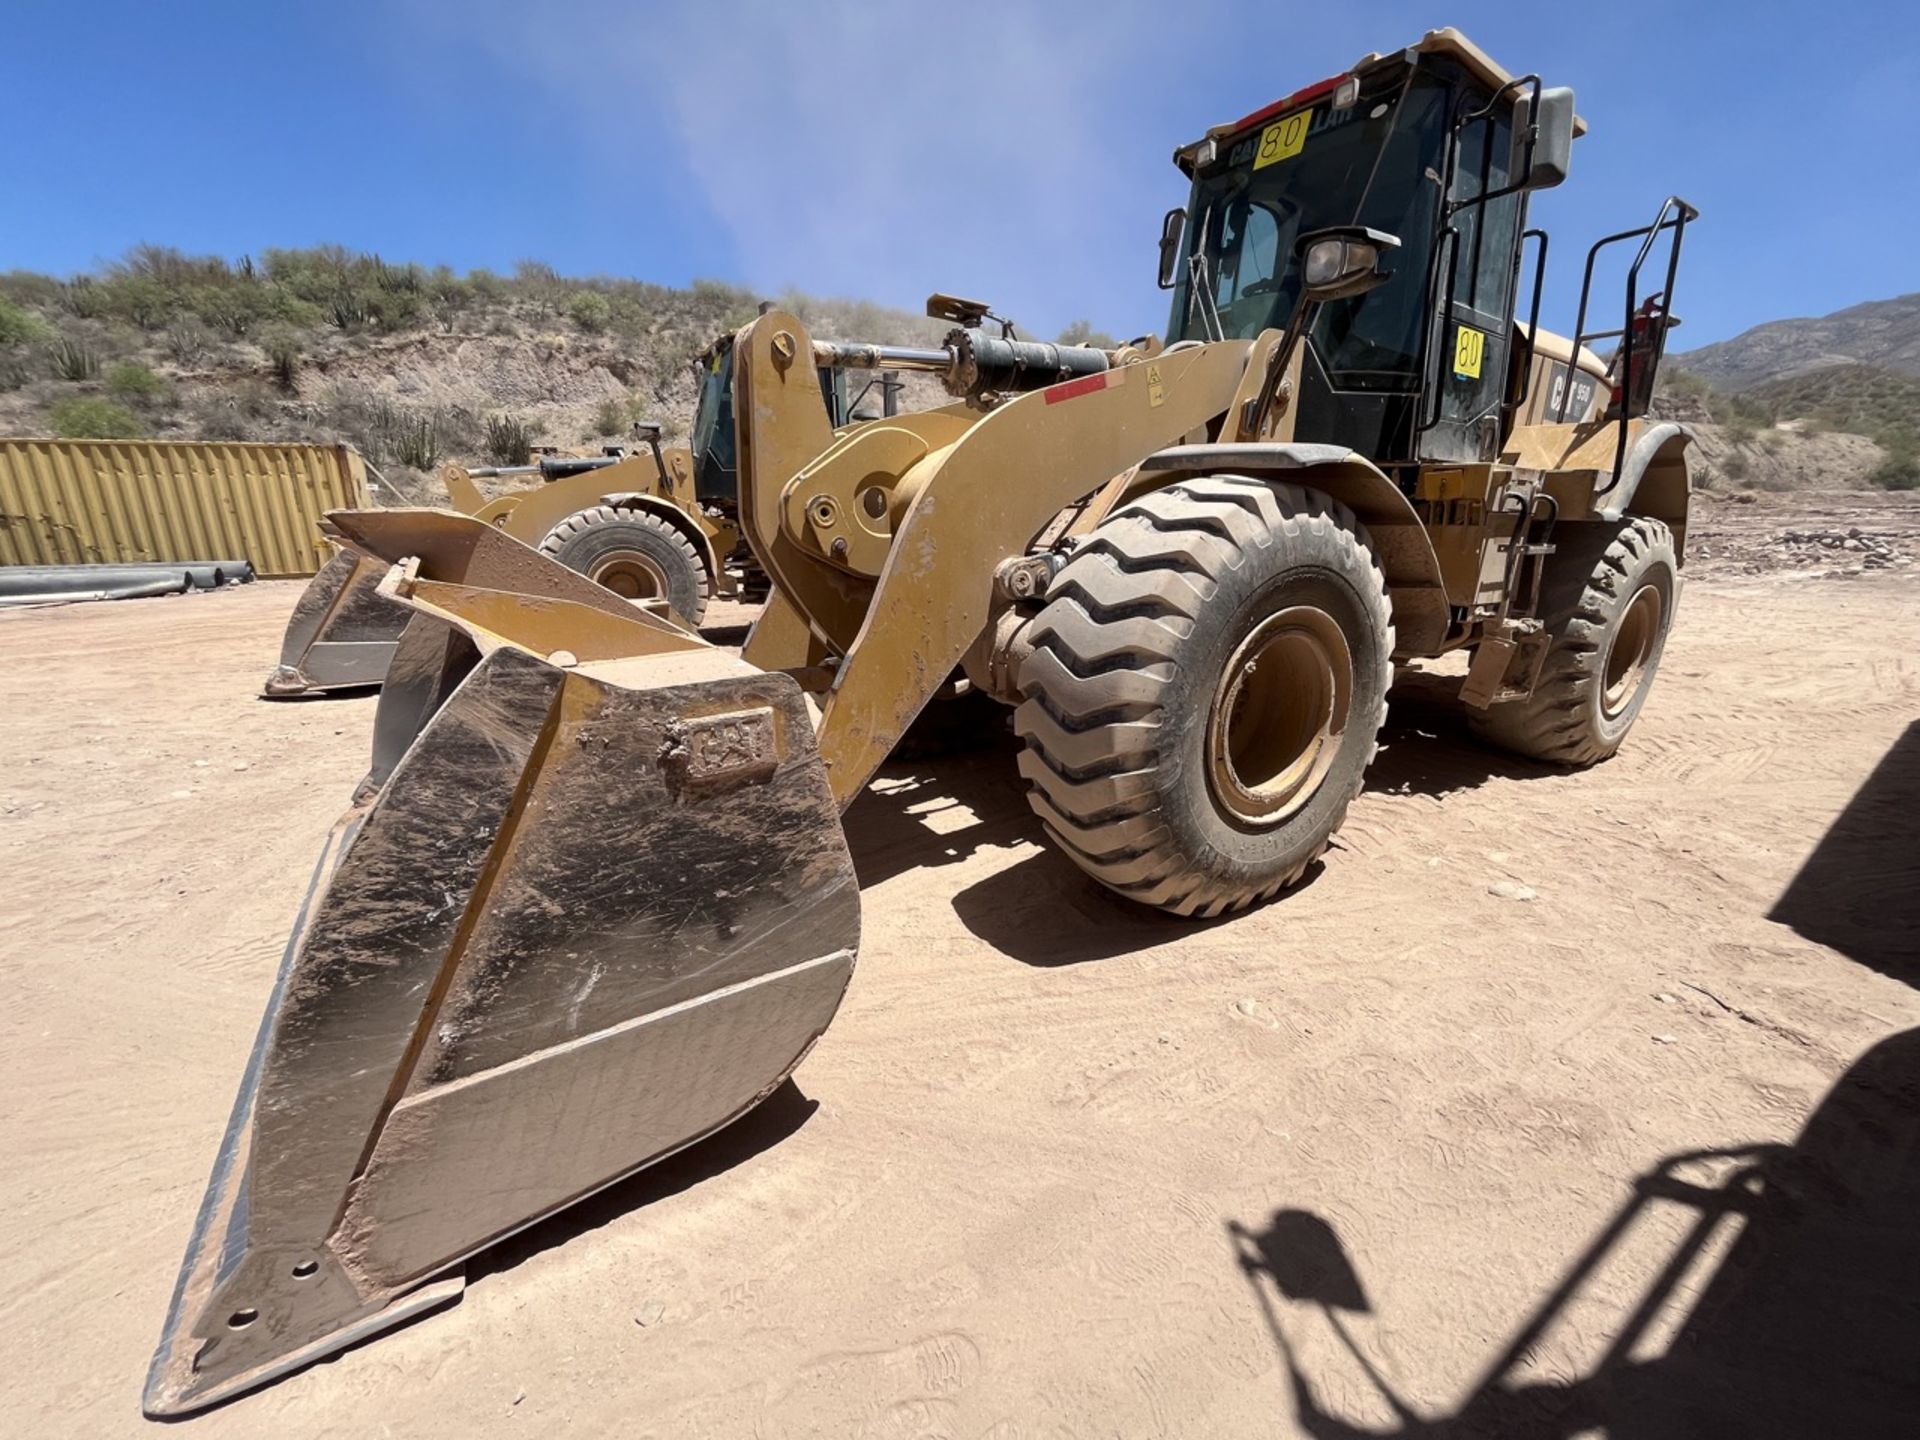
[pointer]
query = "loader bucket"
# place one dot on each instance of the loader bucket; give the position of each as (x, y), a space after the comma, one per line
(592, 903)
(342, 631)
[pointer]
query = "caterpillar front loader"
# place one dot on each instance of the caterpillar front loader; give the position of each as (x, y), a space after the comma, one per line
(593, 901)
(659, 526)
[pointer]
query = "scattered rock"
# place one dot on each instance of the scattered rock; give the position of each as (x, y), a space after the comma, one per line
(1663, 1040)
(1512, 890)
(649, 1314)
(1245, 1007)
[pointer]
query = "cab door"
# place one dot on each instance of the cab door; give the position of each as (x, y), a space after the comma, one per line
(1478, 265)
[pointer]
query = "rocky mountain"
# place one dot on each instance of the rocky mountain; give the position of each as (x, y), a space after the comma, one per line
(1882, 333)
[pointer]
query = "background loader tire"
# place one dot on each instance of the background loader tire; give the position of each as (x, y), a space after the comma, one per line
(1206, 686)
(1608, 604)
(635, 554)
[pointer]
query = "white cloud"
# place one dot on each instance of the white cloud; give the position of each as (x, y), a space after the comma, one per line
(987, 148)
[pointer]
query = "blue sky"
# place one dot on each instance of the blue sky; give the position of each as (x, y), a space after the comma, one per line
(1013, 151)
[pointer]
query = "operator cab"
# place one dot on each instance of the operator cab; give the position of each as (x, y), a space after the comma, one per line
(1435, 147)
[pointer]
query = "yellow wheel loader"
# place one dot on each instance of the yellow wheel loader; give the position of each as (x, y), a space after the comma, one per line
(656, 527)
(592, 901)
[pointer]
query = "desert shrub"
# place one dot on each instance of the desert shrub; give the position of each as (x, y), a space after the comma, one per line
(508, 441)
(20, 326)
(1900, 469)
(28, 287)
(459, 430)
(188, 339)
(1741, 427)
(448, 296)
(89, 417)
(134, 382)
(590, 310)
(283, 349)
(237, 412)
(611, 417)
(1081, 332)
(231, 309)
(540, 283)
(1734, 465)
(416, 442)
(73, 360)
(80, 296)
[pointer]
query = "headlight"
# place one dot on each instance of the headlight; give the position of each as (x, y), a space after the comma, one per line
(1331, 262)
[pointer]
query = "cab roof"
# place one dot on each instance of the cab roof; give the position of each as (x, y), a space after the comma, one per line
(1448, 42)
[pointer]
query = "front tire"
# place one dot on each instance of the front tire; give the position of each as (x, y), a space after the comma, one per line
(1608, 605)
(635, 554)
(1205, 689)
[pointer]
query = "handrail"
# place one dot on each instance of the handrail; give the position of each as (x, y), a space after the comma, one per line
(1533, 326)
(1674, 215)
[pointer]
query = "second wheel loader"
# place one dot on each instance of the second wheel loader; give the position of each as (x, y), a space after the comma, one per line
(656, 526)
(593, 901)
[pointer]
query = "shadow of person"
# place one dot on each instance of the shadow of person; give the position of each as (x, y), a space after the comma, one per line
(1859, 891)
(1808, 1327)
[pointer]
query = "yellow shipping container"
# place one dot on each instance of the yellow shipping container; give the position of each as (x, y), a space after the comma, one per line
(116, 502)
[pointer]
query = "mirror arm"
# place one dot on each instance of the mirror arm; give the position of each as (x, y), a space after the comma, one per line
(1279, 361)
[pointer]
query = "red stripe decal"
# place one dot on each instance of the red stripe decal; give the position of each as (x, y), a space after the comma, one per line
(1293, 101)
(1074, 389)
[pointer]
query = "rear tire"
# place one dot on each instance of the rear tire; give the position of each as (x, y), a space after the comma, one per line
(1205, 688)
(635, 554)
(1609, 606)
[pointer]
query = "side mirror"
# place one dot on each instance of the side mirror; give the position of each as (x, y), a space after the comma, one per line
(1172, 229)
(1342, 261)
(1552, 141)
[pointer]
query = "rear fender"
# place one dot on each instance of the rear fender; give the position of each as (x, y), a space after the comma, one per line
(1656, 480)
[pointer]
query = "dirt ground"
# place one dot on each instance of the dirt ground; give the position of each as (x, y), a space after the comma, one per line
(1059, 1167)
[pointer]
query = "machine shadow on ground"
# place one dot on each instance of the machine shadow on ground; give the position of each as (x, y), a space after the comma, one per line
(1859, 891)
(1808, 1325)
(1427, 748)
(923, 813)
(768, 1125)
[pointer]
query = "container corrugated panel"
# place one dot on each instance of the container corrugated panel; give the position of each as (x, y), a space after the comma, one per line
(113, 502)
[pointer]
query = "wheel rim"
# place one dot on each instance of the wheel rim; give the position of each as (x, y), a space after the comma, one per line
(1633, 641)
(1279, 714)
(630, 575)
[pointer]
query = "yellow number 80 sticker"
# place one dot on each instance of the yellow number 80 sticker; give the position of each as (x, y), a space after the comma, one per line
(1469, 349)
(1283, 139)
